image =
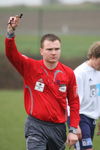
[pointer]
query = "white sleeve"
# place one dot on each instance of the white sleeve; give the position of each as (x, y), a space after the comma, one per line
(80, 84)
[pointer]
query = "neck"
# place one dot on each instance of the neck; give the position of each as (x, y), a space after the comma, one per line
(90, 63)
(50, 65)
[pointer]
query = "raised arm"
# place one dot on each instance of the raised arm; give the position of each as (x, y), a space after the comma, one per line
(15, 57)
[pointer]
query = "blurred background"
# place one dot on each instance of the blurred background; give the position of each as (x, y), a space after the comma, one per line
(76, 22)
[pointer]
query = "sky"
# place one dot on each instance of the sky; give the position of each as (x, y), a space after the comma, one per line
(37, 2)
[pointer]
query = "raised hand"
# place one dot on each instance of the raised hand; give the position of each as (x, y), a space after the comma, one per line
(13, 22)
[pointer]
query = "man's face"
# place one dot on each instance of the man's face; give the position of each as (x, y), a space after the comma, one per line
(96, 63)
(51, 51)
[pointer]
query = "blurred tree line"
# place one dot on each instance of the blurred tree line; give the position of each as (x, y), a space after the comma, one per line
(49, 2)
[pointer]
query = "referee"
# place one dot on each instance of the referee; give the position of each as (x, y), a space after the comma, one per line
(47, 85)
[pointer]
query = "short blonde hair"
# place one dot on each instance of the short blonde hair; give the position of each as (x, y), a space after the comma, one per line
(94, 50)
(49, 37)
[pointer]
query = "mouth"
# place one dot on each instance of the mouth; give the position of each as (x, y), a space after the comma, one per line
(53, 57)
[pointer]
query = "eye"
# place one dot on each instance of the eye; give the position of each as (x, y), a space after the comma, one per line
(57, 49)
(49, 49)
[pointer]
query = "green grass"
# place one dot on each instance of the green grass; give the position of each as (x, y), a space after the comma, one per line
(12, 117)
(77, 45)
(72, 45)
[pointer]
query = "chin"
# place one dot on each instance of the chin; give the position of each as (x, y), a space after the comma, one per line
(98, 69)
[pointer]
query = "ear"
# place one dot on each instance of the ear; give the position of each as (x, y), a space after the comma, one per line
(41, 51)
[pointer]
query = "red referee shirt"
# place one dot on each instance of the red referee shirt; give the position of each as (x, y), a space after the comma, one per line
(46, 91)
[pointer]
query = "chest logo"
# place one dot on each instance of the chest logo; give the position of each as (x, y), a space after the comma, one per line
(39, 86)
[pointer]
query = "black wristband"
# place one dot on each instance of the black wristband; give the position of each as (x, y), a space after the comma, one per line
(10, 35)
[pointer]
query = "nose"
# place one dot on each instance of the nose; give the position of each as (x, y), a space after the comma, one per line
(53, 51)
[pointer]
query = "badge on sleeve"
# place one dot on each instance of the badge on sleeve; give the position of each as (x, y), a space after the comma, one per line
(62, 88)
(39, 86)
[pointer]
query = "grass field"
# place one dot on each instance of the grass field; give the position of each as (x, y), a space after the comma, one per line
(12, 117)
(73, 46)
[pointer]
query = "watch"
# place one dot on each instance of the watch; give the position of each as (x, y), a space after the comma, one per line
(73, 130)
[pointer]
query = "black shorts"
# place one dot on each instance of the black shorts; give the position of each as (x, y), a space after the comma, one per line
(42, 135)
(87, 126)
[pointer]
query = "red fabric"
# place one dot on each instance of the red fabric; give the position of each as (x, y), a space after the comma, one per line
(49, 104)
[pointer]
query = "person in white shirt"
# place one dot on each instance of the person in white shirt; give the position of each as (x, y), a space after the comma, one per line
(88, 81)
